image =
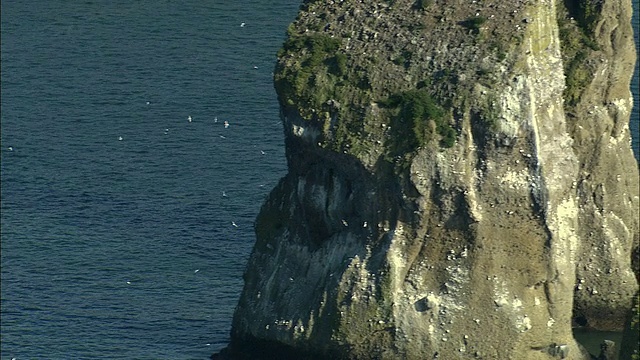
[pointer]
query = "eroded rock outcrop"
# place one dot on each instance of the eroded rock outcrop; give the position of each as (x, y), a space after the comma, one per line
(450, 194)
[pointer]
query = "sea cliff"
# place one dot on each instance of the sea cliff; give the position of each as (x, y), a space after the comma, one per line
(460, 183)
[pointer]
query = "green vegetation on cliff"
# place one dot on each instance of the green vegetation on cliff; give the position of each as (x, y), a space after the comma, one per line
(585, 12)
(576, 20)
(416, 121)
(318, 69)
(316, 78)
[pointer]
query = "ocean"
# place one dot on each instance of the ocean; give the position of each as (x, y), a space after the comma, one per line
(127, 205)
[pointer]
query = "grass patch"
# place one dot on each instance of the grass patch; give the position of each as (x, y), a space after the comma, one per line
(577, 77)
(319, 67)
(577, 43)
(417, 120)
(585, 12)
(499, 48)
(490, 114)
(312, 70)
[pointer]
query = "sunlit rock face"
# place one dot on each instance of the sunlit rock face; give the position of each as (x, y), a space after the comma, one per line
(460, 179)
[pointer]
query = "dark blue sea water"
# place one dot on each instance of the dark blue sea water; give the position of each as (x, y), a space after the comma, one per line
(118, 235)
(127, 249)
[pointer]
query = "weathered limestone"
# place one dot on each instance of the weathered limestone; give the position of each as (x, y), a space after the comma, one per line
(466, 229)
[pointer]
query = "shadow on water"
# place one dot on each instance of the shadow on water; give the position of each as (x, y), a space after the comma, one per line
(592, 339)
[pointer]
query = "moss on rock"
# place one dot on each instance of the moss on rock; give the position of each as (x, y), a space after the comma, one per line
(577, 45)
(416, 116)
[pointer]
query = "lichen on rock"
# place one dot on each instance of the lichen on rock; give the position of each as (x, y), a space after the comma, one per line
(457, 186)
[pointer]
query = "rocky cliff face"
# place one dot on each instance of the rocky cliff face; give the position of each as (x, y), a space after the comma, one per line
(461, 182)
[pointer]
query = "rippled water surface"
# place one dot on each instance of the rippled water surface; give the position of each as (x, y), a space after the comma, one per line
(126, 248)
(118, 235)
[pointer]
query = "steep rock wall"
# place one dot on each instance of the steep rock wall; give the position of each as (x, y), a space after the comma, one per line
(607, 182)
(444, 197)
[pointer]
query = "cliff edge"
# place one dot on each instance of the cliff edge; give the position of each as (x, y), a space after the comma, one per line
(461, 183)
